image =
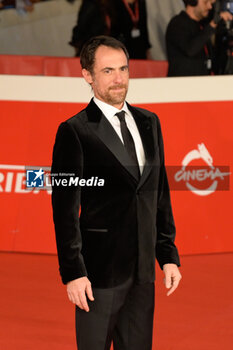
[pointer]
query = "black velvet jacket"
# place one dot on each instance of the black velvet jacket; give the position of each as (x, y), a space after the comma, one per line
(122, 225)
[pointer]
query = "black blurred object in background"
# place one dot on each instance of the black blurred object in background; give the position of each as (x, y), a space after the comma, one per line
(224, 40)
(125, 20)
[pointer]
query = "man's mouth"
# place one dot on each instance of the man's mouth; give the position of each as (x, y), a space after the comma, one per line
(117, 88)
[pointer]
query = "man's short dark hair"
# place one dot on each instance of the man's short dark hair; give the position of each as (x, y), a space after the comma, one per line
(190, 2)
(87, 55)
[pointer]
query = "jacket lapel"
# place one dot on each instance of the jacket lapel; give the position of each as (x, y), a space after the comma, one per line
(106, 133)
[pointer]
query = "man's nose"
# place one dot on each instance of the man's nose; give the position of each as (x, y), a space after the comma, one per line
(118, 77)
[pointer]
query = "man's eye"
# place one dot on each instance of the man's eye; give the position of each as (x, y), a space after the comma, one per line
(107, 71)
(123, 69)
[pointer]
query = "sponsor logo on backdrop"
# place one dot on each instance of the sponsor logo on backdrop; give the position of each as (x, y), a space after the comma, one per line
(202, 180)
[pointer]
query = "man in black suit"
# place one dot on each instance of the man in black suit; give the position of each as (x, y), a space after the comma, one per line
(107, 253)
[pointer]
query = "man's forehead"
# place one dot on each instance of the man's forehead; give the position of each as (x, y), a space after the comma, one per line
(112, 55)
(109, 48)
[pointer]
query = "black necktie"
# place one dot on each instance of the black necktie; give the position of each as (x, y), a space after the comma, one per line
(128, 139)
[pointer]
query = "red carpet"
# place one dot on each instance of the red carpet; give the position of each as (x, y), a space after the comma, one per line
(36, 314)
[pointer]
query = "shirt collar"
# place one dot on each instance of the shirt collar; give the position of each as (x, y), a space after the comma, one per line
(108, 110)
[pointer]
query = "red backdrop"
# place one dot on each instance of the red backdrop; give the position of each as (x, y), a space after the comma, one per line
(204, 223)
(70, 67)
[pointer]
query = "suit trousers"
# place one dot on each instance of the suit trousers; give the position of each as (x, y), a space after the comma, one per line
(123, 314)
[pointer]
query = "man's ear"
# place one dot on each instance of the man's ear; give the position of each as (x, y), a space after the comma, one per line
(87, 76)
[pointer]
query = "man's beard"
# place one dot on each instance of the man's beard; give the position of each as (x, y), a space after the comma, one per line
(118, 97)
(203, 14)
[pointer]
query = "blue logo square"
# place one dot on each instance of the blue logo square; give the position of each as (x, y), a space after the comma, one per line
(35, 178)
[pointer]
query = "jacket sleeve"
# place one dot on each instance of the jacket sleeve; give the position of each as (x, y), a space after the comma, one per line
(166, 251)
(67, 161)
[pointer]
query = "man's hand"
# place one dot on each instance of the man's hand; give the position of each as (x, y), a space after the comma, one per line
(226, 16)
(172, 277)
(77, 290)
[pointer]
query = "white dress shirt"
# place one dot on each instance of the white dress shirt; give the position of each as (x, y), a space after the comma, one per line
(109, 112)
